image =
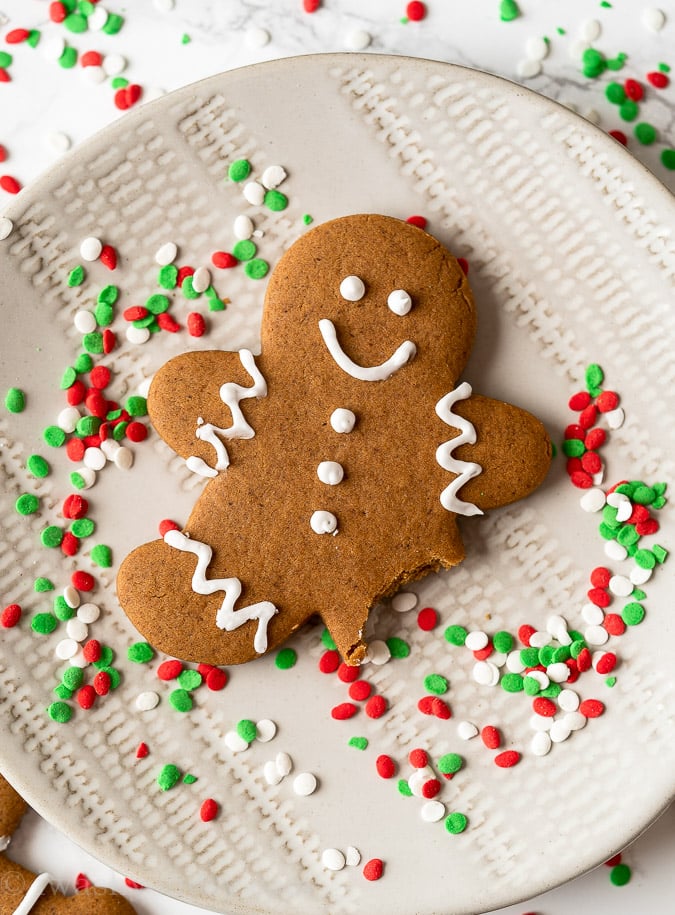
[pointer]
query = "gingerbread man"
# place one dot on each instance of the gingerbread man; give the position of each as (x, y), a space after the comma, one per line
(338, 460)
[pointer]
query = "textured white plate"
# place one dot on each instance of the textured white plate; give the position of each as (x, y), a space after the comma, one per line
(572, 261)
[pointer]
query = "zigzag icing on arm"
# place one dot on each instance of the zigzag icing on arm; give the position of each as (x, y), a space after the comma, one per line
(227, 617)
(231, 395)
(465, 470)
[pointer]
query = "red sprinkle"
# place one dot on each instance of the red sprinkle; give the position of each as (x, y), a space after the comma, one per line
(10, 616)
(607, 401)
(216, 679)
(142, 751)
(108, 257)
(595, 439)
(360, 690)
(491, 737)
(16, 36)
(416, 11)
(3, 153)
(75, 506)
(418, 758)
(76, 392)
(480, 654)
(588, 417)
(348, 673)
(135, 313)
(196, 324)
(430, 788)
(70, 544)
(167, 525)
(169, 670)
(600, 577)
(507, 759)
(581, 479)
(591, 463)
(132, 884)
(579, 401)
(614, 624)
(136, 432)
(633, 89)
(373, 869)
(658, 79)
(343, 711)
(574, 430)
(584, 660)
(209, 810)
(57, 12)
(619, 136)
(9, 184)
(166, 322)
(386, 767)
(109, 341)
(182, 273)
(4, 76)
(612, 862)
(86, 696)
(101, 683)
(426, 705)
(599, 597)
(606, 663)
(419, 222)
(464, 264)
(545, 707)
(329, 661)
(223, 260)
(82, 882)
(440, 708)
(591, 708)
(644, 528)
(91, 651)
(427, 619)
(83, 581)
(311, 6)
(525, 633)
(99, 377)
(90, 58)
(376, 706)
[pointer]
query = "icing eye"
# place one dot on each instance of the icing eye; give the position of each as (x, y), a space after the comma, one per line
(352, 288)
(399, 302)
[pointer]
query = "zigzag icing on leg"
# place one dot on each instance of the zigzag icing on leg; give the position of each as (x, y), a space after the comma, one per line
(227, 617)
(465, 470)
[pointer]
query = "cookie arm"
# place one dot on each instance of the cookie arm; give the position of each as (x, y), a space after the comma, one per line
(512, 447)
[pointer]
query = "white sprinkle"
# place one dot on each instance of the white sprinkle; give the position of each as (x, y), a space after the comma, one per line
(201, 279)
(615, 418)
(265, 730)
(88, 613)
(304, 784)
(333, 859)
(556, 626)
(257, 37)
(575, 721)
(614, 550)
(541, 743)
(568, 700)
(598, 477)
(323, 522)
(151, 93)
(58, 141)
(270, 773)
(590, 30)
(527, 68)
(85, 322)
(558, 672)
(254, 193)
(166, 254)
(432, 811)
(378, 652)
(114, 64)
(640, 576)
(596, 635)
(53, 47)
(66, 649)
(124, 458)
(476, 640)
(164, 6)
(78, 659)
(540, 677)
(514, 662)
(243, 226)
(94, 458)
(68, 419)
(88, 477)
(90, 248)
(498, 658)
(71, 596)
(539, 639)
(419, 778)
(77, 629)
(94, 74)
(110, 447)
(466, 730)
(98, 18)
(540, 722)
(576, 49)
(622, 504)
(352, 288)
(273, 176)
(560, 730)
(284, 764)
(234, 742)
(485, 673)
(358, 40)
(144, 387)
(352, 856)
(592, 614)
(147, 701)
(404, 601)
(620, 585)
(593, 500)
(137, 334)
(653, 19)
(6, 226)
(536, 48)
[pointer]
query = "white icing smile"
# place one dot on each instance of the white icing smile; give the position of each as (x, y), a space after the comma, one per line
(403, 354)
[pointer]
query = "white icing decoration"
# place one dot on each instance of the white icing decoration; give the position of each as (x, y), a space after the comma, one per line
(399, 302)
(465, 470)
(4, 842)
(227, 617)
(323, 523)
(403, 355)
(231, 394)
(330, 472)
(342, 420)
(352, 288)
(35, 890)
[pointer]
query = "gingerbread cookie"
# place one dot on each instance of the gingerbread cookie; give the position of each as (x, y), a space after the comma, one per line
(338, 460)
(22, 892)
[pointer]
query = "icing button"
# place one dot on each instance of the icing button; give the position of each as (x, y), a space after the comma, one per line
(323, 522)
(399, 302)
(342, 420)
(330, 472)
(352, 288)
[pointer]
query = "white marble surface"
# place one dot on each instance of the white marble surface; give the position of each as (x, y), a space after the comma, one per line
(43, 104)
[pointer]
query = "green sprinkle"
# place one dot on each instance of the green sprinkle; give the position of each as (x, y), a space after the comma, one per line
(404, 788)
(77, 480)
(119, 82)
(239, 170)
(44, 623)
(84, 363)
(93, 342)
(108, 295)
(593, 63)
(502, 641)
(88, 425)
(615, 93)
(436, 683)
(51, 536)
(627, 536)
(668, 158)
(560, 655)
(577, 647)
(638, 594)
(552, 691)
(531, 686)
(5, 59)
(168, 276)
(185, 38)
(660, 552)
(327, 640)
(189, 779)
(616, 63)
(68, 378)
(54, 436)
(645, 559)
(59, 711)
(256, 269)
(664, 68)
(76, 23)
(101, 556)
(41, 585)
(620, 874)
(86, 7)
(629, 110)
(573, 447)
(307, 219)
(190, 679)
(157, 304)
(114, 675)
(181, 700)
(15, 400)
(456, 823)
(168, 777)
(276, 201)
(104, 314)
(62, 609)
(594, 378)
(456, 635)
(113, 24)
(63, 692)
(246, 729)
(610, 682)
(398, 648)
(119, 431)
(512, 683)
(188, 288)
(605, 4)
(450, 763)
(633, 613)
(33, 38)
(359, 743)
(136, 406)
(215, 302)
(561, 31)
(545, 654)
(144, 322)
(529, 657)
(508, 10)
(244, 250)
(286, 658)
(68, 59)
(73, 677)
(645, 133)
(140, 652)
(82, 527)
(27, 504)
(76, 276)
(106, 659)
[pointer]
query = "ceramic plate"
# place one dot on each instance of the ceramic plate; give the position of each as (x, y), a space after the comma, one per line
(571, 255)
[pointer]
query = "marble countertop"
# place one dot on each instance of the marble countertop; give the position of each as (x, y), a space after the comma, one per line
(45, 109)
